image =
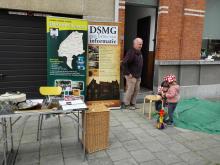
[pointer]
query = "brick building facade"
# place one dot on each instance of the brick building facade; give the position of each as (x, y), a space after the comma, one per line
(179, 35)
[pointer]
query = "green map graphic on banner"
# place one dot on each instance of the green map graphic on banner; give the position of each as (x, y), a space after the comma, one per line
(66, 54)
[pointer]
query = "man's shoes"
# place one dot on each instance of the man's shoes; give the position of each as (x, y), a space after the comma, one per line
(132, 108)
(123, 106)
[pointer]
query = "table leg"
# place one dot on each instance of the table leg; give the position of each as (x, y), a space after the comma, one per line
(11, 133)
(84, 135)
(4, 141)
(78, 126)
(38, 127)
(150, 107)
(144, 107)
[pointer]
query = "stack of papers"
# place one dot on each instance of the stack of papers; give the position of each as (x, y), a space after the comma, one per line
(71, 105)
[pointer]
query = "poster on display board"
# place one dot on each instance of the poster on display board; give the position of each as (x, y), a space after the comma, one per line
(67, 54)
(103, 81)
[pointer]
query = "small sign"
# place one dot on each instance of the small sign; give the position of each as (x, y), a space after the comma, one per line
(103, 35)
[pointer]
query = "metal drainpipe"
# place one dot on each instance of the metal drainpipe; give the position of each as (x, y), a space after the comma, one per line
(116, 10)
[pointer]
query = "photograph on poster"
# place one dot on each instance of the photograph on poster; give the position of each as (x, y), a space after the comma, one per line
(93, 53)
(64, 84)
(93, 73)
(78, 85)
(93, 65)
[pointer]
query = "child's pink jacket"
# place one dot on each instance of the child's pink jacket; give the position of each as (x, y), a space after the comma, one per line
(173, 94)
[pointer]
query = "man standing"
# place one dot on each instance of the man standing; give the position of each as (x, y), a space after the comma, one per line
(132, 65)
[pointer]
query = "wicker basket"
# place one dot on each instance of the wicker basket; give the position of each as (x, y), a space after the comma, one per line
(97, 128)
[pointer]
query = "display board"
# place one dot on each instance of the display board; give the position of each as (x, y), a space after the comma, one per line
(67, 54)
(103, 79)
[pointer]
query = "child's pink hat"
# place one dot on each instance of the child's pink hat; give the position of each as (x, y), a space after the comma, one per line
(170, 78)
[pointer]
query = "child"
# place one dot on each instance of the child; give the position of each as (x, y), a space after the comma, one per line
(172, 96)
(161, 91)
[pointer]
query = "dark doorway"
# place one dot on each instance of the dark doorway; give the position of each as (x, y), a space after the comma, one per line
(140, 20)
(143, 31)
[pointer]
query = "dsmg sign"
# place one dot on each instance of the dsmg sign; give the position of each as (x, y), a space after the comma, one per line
(101, 34)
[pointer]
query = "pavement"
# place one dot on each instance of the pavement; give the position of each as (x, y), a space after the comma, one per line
(134, 140)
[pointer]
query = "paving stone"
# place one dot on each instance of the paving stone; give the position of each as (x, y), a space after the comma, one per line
(154, 132)
(115, 144)
(196, 145)
(212, 157)
(190, 136)
(126, 162)
(118, 129)
(177, 148)
(154, 146)
(147, 126)
(30, 138)
(193, 158)
(139, 120)
(133, 145)
(126, 136)
(210, 142)
(123, 118)
(153, 162)
(52, 141)
(144, 138)
(50, 150)
(29, 130)
(164, 139)
(216, 137)
(75, 161)
(52, 160)
(129, 124)
(69, 142)
(215, 150)
(75, 151)
(100, 161)
(171, 131)
(142, 155)
(132, 114)
(97, 155)
(118, 154)
(27, 158)
(179, 138)
(180, 163)
(115, 123)
(135, 131)
(168, 157)
(29, 148)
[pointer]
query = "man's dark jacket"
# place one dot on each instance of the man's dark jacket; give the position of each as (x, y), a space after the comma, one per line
(133, 63)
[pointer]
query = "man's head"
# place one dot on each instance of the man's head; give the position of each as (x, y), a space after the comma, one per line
(137, 43)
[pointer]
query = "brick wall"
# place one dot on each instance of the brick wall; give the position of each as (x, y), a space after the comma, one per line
(180, 28)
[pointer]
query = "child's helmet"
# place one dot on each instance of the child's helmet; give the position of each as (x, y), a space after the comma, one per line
(170, 78)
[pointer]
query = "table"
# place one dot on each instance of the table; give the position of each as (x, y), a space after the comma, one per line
(69, 107)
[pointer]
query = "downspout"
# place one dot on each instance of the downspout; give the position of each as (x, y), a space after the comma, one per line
(116, 10)
(155, 45)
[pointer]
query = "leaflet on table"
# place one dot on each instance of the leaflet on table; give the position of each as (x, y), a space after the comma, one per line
(74, 102)
(75, 106)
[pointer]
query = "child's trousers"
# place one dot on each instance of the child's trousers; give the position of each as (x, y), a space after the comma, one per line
(171, 109)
